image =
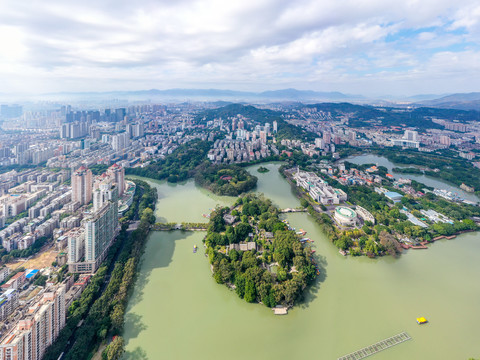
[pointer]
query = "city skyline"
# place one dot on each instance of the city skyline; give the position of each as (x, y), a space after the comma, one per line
(380, 47)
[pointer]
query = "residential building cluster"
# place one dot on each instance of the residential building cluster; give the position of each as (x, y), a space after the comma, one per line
(237, 151)
(88, 244)
(87, 213)
(36, 328)
(357, 177)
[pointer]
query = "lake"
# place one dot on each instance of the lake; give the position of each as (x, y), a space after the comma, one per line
(427, 180)
(177, 311)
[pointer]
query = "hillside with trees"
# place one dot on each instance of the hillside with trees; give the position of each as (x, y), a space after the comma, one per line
(363, 115)
(180, 165)
(257, 116)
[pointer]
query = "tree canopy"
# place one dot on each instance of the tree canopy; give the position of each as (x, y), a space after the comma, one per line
(275, 271)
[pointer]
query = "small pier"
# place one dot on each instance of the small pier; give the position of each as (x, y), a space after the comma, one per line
(377, 347)
(280, 310)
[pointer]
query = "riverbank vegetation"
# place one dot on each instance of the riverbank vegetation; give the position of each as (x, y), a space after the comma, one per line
(446, 167)
(408, 170)
(227, 180)
(103, 308)
(391, 227)
(252, 251)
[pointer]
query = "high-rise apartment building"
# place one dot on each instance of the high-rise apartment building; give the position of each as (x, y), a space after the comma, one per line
(76, 245)
(263, 136)
(319, 143)
(267, 128)
(106, 190)
(327, 136)
(37, 329)
(445, 140)
(82, 185)
(117, 174)
(74, 130)
(8, 303)
(101, 228)
(410, 135)
(120, 141)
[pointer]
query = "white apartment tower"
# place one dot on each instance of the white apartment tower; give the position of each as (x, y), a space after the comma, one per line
(101, 228)
(117, 173)
(82, 184)
(410, 135)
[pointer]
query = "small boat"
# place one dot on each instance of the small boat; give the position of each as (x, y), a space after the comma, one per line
(313, 251)
(421, 320)
(343, 252)
(194, 248)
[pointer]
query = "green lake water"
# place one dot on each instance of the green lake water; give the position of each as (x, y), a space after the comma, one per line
(427, 180)
(177, 311)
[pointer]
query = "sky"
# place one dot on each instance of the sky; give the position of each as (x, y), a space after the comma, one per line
(368, 47)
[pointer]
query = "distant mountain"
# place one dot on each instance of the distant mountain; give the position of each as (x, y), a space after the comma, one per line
(462, 101)
(182, 93)
(216, 94)
(425, 97)
(293, 94)
(474, 96)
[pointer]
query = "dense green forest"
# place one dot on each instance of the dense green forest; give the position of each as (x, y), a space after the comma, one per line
(101, 309)
(229, 180)
(276, 272)
(180, 165)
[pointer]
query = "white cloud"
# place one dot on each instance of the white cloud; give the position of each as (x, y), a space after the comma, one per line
(252, 44)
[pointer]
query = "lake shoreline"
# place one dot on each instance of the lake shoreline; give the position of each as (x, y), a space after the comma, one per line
(175, 302)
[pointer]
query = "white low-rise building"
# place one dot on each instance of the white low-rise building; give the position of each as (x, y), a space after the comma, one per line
(364, 214)
(318, 189)
(345, 216)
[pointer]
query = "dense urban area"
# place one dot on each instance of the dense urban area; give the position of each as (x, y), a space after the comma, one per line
(73, 226)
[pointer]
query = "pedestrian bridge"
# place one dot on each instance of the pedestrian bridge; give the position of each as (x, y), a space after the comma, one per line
(377, 347)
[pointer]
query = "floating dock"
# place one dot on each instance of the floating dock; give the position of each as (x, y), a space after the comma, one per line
(377, 347)
(280, 310)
